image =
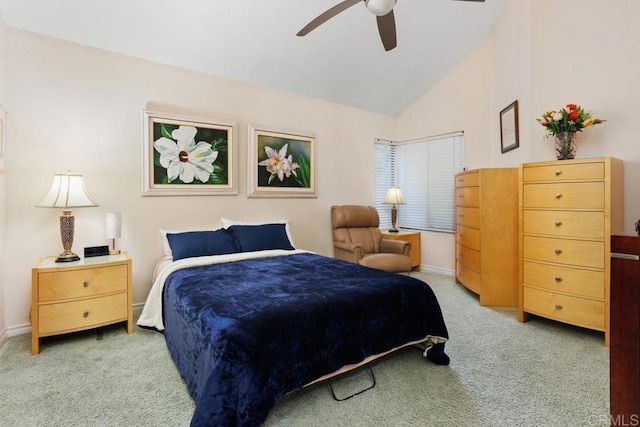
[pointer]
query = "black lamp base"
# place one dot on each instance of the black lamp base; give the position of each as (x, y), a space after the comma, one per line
(67, 257)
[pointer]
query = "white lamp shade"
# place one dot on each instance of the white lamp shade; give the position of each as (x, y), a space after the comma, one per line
(394, 196)
(380, 7)
(67, 191)
(114, 225)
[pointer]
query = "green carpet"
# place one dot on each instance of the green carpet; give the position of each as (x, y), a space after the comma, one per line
(502, 373)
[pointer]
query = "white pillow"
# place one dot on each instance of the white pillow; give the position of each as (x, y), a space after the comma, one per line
(226, 223)
(166, 248)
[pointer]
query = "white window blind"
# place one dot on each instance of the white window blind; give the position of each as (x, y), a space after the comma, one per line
(384, 177)
(424, 170)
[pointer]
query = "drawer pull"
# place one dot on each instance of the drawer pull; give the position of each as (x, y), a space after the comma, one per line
(85, 283)
(558, 279)
(558, 195)
(558, 172)
(85, 314)
(558, 307)
(558, 223)
(558, 251)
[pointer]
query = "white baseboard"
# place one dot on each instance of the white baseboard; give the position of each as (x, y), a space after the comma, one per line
(438, 270)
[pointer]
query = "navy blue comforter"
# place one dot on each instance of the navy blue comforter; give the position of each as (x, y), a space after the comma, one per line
(245, 333)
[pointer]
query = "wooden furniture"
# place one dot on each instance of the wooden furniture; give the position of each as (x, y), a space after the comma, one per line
(412, 237)
(568, 210)
(624, 372)
(487, 234)
(79, 295)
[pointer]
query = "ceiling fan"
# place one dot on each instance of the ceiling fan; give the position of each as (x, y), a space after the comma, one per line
(383, 9)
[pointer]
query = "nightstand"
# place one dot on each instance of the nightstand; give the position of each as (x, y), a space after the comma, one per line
(410, 236)
(79, 295)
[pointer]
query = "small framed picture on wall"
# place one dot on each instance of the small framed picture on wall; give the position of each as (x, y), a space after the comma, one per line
(509, 139)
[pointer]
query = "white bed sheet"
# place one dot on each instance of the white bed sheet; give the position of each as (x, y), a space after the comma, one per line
(151, 315)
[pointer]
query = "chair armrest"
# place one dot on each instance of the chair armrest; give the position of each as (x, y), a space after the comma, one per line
(395, 246)
(352, 252)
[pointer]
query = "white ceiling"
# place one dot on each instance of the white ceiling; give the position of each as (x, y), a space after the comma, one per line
(255, 41)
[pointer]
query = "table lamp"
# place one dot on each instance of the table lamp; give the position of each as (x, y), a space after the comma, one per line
(67, 191)
(394, 197)
(114, 230)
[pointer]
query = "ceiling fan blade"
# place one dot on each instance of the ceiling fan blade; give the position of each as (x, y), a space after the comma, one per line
(387, 30)
(324, 17)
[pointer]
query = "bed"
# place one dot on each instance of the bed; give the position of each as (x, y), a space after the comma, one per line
(251, 319)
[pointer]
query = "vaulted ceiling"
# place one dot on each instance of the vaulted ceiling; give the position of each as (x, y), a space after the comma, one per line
(255, 41)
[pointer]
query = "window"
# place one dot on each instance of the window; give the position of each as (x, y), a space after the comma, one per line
(424, 169)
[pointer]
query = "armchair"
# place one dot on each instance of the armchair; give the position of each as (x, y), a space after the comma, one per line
(357, 239)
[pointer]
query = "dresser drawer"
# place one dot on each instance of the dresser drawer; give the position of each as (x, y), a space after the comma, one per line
(468, 196)
(574, 195)
(468, 217)
(568, 309)
(61, 285)
(564, 172)
(469, 237)
(82, 314)
(470, 258)
(471, 179)
(564, 251)
(587, 283)
(469, 278)
(588, 225)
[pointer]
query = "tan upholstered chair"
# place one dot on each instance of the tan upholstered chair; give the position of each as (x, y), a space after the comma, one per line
(357, 238)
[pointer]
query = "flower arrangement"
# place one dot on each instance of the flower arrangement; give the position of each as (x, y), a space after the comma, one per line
(572, 118)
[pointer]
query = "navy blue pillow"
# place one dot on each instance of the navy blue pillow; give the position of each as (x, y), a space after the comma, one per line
(201, 243)
(261, 237)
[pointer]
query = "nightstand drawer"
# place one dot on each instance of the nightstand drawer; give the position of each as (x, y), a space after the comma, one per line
(588, 283)
(54, 286)
(564, 251)
(575, 195)
(468, 196)
(588, 225)
(82, 314)
(568, 309)
(564, 172)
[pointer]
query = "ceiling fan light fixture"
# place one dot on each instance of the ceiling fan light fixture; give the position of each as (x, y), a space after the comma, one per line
(380, 7)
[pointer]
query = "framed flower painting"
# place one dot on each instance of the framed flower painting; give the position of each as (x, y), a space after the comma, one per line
(281, 163)
(187, 156)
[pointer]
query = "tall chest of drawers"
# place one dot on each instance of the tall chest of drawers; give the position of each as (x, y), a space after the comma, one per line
(568, 210)
(487, 234)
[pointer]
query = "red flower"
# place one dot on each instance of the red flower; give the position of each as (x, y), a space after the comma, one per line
(571, 107)
(573, 115)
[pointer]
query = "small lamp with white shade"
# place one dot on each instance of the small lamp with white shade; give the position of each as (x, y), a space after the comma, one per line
(114, 230)
(66, 192)
(394, 197)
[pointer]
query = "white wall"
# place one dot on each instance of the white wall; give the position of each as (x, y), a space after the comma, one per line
(3, 198)
(78, 108)
(544, 54)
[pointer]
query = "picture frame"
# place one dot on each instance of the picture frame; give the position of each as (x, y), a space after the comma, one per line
(170, 166)
(509, 138)
(3, 125)
(281, 163)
